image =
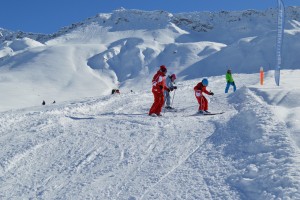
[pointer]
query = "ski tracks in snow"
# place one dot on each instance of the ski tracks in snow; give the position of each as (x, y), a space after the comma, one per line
(109, 148)
(109, 145)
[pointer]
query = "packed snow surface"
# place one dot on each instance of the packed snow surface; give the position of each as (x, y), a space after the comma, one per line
(107, 147)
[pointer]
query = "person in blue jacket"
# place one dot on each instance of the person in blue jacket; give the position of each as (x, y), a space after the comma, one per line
(170, 84)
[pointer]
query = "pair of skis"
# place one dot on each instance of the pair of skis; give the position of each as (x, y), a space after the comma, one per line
(196, 114)
(201, 114)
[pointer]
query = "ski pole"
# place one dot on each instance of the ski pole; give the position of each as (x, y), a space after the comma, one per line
(165, 102)
(173, 98)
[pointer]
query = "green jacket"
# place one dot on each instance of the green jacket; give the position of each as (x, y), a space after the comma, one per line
(229, 78)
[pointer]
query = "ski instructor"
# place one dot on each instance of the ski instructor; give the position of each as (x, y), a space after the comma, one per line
(158, 88)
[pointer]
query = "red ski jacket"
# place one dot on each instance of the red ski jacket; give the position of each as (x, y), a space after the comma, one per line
(199, 88)
(159, 82)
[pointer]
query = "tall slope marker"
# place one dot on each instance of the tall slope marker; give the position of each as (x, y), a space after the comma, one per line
(280, 31)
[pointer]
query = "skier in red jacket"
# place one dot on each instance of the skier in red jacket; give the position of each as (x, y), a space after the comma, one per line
(200, 88)
(158, 87)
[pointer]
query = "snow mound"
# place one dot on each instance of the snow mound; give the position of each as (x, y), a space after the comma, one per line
(23, 44)
(256, 152)
(5, 51)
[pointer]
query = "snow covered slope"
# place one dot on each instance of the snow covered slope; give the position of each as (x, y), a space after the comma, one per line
(109, 148)
(49, 73)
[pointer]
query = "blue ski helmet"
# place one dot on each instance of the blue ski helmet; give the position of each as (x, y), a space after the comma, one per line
(205, 82)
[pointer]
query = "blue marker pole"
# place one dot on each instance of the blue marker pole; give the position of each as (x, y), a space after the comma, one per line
(280, 31)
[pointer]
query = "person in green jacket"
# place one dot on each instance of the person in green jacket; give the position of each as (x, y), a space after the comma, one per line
(229, 81)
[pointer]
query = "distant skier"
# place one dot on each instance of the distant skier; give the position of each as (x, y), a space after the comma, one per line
(229, 81)
(115, 91)
(170, 84)
(43, 103)
(199, 89)
(158, 87)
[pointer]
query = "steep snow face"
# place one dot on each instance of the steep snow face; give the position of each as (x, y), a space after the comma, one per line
(162, 29)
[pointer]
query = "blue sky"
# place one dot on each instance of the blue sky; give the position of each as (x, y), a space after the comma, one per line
(48, 16)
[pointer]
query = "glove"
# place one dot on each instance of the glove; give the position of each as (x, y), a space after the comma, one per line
(175, 87)
(211, 93)
(168, 89)
(160, 87)
(171, 89)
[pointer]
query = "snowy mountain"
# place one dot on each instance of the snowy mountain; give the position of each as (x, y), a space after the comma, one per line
(125, 47)
(93, 145)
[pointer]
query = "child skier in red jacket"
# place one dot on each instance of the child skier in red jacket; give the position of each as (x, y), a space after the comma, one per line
(158, 87)
(199, 89)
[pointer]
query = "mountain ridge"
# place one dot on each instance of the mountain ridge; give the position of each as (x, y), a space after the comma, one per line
(185, 18)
